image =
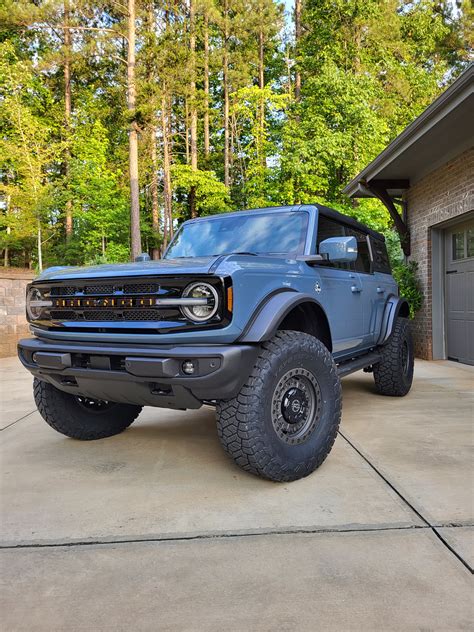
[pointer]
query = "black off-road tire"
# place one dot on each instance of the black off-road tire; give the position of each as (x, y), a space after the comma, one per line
(249, 426)
(66, 414)
(393, 375)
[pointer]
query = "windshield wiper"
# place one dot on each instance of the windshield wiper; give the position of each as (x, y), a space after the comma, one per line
(220, 254)
(241, 252)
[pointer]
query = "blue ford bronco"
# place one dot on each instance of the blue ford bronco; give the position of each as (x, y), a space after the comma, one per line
(258, 313)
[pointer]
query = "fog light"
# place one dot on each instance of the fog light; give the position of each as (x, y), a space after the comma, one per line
(33, 357)
(188, 367)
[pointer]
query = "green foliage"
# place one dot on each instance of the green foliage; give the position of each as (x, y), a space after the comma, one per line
(257, 144)
(28, 149)
(211, 195)
(367, 70)
(99, 205)
(394, 248)
(114, 253)
(406, 276)
(337, 130)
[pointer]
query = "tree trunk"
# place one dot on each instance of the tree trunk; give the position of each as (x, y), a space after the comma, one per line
(155, 214)
(288, 68)
(9, 230)
(6, 252)
(67, 116)
(40, 247)
(297, 41)
(135, 233)
(261, 84)
(206, 87)
(167, 193)
(192, 46)
(226, 96)
(155, 211)
(186, 131)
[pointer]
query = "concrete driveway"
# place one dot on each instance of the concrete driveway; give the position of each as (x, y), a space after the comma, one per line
(156, 529)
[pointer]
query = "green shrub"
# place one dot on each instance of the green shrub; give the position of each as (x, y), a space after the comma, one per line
(406, 276)
(114, 253)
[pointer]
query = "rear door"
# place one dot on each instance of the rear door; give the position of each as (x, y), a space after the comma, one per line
(338, 289)
(369, 285)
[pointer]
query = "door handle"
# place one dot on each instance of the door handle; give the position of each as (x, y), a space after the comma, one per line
(356, 289)
(380, 290)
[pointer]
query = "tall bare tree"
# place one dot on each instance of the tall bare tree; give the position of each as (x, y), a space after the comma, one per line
(167, 191)
(193, 104)
(135, 233)
(67, 116)
(261, 84)
(206, 86)
(297, 40)
(226, 91)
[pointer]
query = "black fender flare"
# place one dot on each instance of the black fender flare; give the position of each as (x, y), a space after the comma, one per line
(395, 306)
(266, 319)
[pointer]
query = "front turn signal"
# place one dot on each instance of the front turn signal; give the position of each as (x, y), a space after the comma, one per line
(230, 299)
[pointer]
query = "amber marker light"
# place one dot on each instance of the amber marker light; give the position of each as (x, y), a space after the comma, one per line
(230, 299)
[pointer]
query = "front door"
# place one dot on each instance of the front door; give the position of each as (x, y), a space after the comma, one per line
(459, 292)
(339, 289)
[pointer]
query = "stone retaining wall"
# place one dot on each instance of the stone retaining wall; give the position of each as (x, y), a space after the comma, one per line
(13, 325)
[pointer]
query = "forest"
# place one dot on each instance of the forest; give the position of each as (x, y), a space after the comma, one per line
(120, 119)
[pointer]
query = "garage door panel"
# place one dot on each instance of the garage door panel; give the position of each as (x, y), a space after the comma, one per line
(470, 293)
(459, 292)
(470, 341)
(456, 293)
(457, 332)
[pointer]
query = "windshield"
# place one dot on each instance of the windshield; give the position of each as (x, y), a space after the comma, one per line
(262, 233)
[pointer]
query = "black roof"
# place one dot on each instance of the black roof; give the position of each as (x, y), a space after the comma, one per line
(349, 221)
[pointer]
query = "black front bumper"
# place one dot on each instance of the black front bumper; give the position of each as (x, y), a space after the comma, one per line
(141, 374)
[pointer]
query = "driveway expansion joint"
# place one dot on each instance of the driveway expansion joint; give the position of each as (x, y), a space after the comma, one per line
(453, 551)
(432, 527)
(211, 536)
(17, 420)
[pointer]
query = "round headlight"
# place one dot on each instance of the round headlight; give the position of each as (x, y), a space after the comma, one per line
(35, 303)
(203, 302)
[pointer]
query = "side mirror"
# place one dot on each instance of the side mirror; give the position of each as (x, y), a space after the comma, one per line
(342, 249)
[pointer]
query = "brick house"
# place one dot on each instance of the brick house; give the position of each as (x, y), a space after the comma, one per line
(428, 172)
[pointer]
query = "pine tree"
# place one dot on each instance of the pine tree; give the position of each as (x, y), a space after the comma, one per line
(209, 103)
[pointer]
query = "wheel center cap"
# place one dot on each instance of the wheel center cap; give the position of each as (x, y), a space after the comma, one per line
(293, 406)
(296, 406)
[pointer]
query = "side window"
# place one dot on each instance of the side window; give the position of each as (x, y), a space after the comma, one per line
(363, 263)
(329, 228)
(381, 260)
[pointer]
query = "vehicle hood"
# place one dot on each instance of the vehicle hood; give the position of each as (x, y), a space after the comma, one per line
(197, 265)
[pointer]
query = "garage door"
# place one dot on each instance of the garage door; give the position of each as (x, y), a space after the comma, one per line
(459, 292)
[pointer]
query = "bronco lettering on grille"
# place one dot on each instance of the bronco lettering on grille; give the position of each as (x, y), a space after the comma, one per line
(122, 301)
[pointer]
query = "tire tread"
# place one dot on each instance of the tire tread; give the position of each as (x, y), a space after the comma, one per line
(236, 418)
(388, 373)
(64, 416)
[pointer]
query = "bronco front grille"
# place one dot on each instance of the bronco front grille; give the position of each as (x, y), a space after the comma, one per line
(128, 304)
